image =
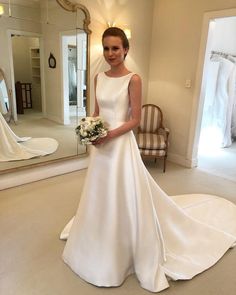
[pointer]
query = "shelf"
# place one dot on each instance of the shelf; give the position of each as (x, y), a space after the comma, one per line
(35, 64)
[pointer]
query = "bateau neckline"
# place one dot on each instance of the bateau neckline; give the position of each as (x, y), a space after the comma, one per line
(117, 77)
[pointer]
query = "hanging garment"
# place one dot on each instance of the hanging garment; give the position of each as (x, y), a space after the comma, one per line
(230, 111)
(218, 107)
(72, 80)
(3, 98)
(233, 99)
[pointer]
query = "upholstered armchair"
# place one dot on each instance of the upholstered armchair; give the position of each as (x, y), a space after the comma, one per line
(152, 136)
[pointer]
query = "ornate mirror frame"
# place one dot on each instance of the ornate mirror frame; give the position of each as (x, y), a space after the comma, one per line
(72, 7)
(69, 6)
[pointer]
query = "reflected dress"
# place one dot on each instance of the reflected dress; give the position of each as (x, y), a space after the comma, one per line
(127, 224)
(15, 148)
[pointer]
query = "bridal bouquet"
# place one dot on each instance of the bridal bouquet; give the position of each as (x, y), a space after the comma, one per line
(90, 129)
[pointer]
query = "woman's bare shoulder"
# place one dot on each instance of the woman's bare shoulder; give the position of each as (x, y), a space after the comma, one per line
(135, 79)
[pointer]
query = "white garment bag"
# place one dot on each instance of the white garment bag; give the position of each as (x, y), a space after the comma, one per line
(219, 101)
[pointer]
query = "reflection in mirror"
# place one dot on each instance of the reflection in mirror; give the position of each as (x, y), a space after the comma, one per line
(45, 102)
(74, 75)
(4, 96)
(14, 148)
(21, 9)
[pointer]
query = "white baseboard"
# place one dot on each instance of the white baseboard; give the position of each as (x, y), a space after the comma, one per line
(21, 177)
(42, 172)
(181, 160)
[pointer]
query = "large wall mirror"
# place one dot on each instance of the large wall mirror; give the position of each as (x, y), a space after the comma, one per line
(44, 79)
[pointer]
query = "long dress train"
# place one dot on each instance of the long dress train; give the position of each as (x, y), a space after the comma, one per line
(126, 224)
(13, 147)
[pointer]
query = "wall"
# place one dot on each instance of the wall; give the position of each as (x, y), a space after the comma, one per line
(12, 24)
(177, 28)
(21, 59)
(224, 29)
(134, 14)
(55, 22)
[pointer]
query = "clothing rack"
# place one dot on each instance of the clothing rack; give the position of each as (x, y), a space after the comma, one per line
(228, 56)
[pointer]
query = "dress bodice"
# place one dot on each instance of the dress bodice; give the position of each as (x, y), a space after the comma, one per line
(113, 98)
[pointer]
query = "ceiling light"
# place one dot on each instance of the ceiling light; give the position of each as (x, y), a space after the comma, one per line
(1, 10)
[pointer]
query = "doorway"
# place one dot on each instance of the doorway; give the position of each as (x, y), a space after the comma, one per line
(215, 132)
(26, 70)
(74, 75)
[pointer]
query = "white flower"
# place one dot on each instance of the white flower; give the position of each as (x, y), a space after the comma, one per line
(90, 129)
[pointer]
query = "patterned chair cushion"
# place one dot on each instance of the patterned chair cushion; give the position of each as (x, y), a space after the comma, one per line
(157, 153)
(151, 141)
(150, 119)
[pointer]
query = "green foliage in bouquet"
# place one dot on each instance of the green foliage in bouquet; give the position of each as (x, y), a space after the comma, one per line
(90, 129)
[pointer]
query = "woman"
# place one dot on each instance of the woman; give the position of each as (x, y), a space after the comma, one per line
(125, 223)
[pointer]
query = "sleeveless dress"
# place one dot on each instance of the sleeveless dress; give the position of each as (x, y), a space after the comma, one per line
(126, 224)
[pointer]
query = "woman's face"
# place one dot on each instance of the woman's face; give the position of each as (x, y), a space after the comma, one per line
(113, 50)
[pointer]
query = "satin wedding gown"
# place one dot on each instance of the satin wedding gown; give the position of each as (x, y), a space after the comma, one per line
(14, 148)
(126, 224)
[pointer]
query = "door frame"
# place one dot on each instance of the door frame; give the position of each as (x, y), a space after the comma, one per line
(199, 91)
(13, 92)
(64, 74)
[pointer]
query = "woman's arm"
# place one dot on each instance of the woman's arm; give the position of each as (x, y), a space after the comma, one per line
(135, 97)
(96, 109)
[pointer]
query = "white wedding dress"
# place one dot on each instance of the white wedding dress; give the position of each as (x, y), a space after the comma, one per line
(126, 224)
(14, 148)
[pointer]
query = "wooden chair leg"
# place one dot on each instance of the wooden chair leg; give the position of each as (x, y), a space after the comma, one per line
(164, 167)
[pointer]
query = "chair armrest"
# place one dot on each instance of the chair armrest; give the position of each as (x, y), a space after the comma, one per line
(164, 131)
(167, 130)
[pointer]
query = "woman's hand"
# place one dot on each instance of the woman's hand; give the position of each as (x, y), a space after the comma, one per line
(103, 139)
